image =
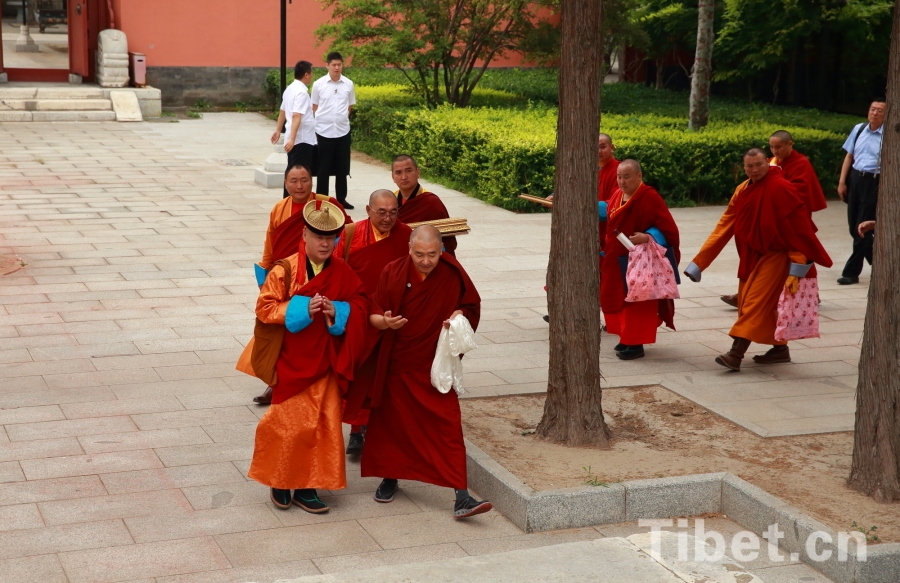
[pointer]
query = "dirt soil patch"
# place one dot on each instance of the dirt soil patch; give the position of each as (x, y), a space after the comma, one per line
(657, 433)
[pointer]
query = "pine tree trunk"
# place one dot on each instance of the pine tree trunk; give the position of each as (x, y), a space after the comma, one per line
(700, 76)
(876, 448)
(572, 412)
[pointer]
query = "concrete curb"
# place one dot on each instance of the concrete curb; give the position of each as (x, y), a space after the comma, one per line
(744, 503)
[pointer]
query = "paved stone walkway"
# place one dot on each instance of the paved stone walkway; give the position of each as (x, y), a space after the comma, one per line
(125, 432)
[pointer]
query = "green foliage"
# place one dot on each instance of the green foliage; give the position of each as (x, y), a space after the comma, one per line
(192, 113)
(442, 47)
(496, 153)
(868, 532)
(757, 35)
(202, 103)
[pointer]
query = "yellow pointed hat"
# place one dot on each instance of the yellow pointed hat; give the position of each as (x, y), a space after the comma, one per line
(323, 218)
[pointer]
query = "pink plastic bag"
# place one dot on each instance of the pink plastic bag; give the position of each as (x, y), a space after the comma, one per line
(798, 314)
(650, 275)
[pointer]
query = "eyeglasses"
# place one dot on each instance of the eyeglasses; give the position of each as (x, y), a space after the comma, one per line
(383, 213)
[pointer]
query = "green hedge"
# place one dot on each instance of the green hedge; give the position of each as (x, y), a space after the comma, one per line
(495, 154)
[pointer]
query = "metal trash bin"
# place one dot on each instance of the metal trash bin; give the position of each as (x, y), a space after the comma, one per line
(137, 69)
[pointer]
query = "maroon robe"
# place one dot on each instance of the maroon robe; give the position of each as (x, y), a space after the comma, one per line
(368, 259)
(799, 171)
(607, 185)
(642, 211)
(771, 216)
(415, 431)
(425, 206)
(298, 367)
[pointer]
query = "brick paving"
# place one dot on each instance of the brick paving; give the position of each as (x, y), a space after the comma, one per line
(126, 433)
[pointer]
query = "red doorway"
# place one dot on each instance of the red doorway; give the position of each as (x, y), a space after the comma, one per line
(83, 21)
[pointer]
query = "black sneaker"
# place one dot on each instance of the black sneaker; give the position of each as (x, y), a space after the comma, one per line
(386, 490)
(620, 347)
(547, 318)
(281, 498)
(470, 507)
(346, 205)
(355, 445)
(308, 500)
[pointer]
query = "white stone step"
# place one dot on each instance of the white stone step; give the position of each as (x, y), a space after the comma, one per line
(107, 115)
(605, 560)
(69, 93)
(55, 104)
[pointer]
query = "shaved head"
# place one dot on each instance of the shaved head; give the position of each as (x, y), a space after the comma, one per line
(754, 152)
(605, 137)
(426, 235)
(781, 144)
(381, 194)
(629, 176)
(783, 135)
(425, 248)
(383, 210)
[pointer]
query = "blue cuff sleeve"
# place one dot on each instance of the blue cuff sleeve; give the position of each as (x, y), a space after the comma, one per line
(261, 274)
(693, 272)
(297, 316)
(657, 234)
(602, 207)
(800, 269)
(341, 314)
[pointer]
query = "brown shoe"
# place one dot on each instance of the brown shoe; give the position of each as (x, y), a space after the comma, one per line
(265, 398)
(775, 355)
(732, 359)
(730, 300)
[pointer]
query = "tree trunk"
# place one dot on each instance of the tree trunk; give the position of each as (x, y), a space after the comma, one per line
(572, 412)
(876, 447)
(699, 112)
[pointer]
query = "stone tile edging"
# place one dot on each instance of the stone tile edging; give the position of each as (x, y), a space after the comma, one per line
(749, 506)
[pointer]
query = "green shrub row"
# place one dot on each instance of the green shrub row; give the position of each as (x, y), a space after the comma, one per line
(539, 85)
(496, 154)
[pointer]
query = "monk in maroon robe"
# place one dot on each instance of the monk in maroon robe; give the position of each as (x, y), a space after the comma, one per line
(798, 170)
(285, 233)
(417, 204)
(415, 431)
(368, 246)
(639, 212)
(777, 245)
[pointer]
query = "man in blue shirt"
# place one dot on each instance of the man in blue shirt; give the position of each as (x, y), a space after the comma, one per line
(858, 186)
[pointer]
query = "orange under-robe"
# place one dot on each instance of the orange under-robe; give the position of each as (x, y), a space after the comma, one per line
(759, 291)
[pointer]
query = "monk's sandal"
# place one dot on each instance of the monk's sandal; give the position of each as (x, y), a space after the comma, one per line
(308, 500)
(470, 507)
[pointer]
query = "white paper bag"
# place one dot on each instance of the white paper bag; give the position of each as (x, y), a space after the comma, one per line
(446, 370)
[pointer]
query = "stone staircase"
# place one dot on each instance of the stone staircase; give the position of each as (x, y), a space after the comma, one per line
(56, 104)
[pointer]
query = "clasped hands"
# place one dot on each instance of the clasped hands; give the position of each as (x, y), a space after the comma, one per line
(320, 303)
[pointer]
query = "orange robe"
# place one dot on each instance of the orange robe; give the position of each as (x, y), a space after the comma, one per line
(763, 272)
(299, 443)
